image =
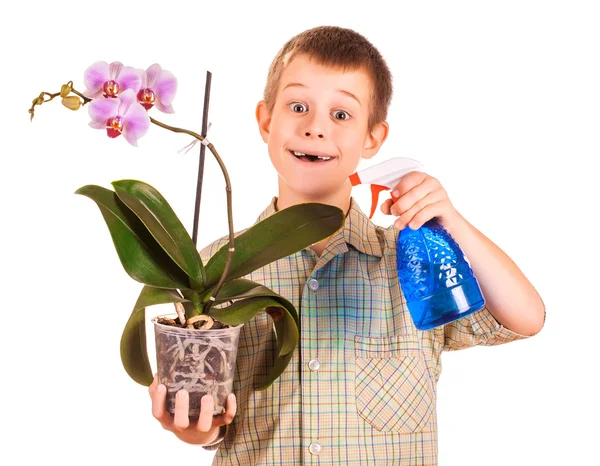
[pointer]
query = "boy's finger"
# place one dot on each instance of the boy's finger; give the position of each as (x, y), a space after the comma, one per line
(386, 206)
(181, 420)
(159, 397)
(227, 417)
(230, 411)
(153, 385)
(205, 420)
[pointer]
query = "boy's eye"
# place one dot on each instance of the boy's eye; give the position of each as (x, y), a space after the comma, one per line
(298, 107)
(340, 115)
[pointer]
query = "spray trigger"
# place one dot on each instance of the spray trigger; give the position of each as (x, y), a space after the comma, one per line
(375, 190)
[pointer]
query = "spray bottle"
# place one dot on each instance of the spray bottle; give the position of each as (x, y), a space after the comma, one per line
(434, 274)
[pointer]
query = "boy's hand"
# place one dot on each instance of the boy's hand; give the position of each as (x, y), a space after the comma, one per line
(202, 432)
(421, 197)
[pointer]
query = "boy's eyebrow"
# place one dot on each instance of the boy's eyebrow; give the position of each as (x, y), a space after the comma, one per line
(349, 94)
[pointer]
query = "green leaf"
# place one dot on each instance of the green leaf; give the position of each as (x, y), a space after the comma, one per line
(279, 235)
(242, 288)
(134, 353)
(244, 310)
(286, 325)
(235, 289)
(141, 256)
(164, 225)
(279, 365)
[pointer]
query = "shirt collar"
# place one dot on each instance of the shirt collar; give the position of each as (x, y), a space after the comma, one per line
(358, 231)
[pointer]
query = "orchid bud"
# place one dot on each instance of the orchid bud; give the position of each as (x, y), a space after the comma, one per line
(72, 102)
(65, 90)
(38, 101)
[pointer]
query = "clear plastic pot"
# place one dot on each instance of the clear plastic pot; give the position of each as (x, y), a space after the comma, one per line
(199, 361)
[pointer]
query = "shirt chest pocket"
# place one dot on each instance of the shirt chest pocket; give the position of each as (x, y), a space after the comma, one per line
(393, 387)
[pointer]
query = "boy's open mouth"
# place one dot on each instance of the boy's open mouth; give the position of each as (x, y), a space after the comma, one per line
(310, 158)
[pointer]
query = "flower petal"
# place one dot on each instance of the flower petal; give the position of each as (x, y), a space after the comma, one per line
(162, 107)
(165, 86)
(103, 109)
(130, 78)
(152, 72)
(130, 138)
(136, 123)
(144, 78)
(126, 98)
(97, 124)
(115, 69)
(92, 94)
(95, 76)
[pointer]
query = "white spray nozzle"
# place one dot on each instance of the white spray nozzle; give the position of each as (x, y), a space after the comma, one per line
(384, 175)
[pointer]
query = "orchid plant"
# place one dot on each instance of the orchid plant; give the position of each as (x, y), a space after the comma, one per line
(154, 247)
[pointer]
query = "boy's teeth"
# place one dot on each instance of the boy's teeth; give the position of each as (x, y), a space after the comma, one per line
(300, 154)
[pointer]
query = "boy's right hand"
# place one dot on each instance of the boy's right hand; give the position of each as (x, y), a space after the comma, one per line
(202, 432)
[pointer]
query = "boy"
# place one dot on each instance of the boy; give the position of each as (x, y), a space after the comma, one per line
(361, 386)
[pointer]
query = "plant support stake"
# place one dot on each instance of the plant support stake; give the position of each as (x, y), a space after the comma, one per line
(201, 161)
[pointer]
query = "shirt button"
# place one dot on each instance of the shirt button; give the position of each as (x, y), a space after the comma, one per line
(313, 284)
(314, 365)
(314, 448)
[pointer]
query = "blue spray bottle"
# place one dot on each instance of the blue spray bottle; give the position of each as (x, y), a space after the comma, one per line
(434, 274)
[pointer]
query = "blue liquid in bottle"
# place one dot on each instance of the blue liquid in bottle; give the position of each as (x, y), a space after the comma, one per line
(435, 277)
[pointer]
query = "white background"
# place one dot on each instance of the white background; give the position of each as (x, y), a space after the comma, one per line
(499, 100)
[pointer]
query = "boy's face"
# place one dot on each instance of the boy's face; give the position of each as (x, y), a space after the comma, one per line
(319, 111)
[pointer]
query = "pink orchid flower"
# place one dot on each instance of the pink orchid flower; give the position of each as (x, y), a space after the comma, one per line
(102, 79)
(121, 115)
(158, 88)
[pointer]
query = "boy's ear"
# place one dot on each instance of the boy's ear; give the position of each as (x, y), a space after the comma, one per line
(375, 139)
(263, 117)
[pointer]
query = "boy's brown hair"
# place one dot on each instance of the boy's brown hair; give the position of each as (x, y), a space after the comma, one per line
(336, 47)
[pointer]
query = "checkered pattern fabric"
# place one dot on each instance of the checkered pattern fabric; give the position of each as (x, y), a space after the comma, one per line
(361, 386)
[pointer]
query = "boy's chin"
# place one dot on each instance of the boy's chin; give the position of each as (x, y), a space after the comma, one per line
(310, 191)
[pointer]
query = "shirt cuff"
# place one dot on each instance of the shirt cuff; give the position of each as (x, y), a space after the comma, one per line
(479, 328)
(486, 326)
(217, 442)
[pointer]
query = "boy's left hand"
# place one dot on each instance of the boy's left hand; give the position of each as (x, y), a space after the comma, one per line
(421, 197)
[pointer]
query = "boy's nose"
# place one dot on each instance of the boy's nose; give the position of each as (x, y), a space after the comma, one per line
(308, 134)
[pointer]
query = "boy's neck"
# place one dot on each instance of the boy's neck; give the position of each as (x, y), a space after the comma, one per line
(287, 198)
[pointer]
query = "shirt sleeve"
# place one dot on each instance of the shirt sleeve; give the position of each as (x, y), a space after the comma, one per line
(479, 328)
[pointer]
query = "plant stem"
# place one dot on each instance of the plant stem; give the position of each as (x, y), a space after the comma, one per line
(40, 99)
(210, 146)
(85, 99)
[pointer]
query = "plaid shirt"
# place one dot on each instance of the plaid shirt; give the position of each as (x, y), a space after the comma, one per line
(361, 385)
